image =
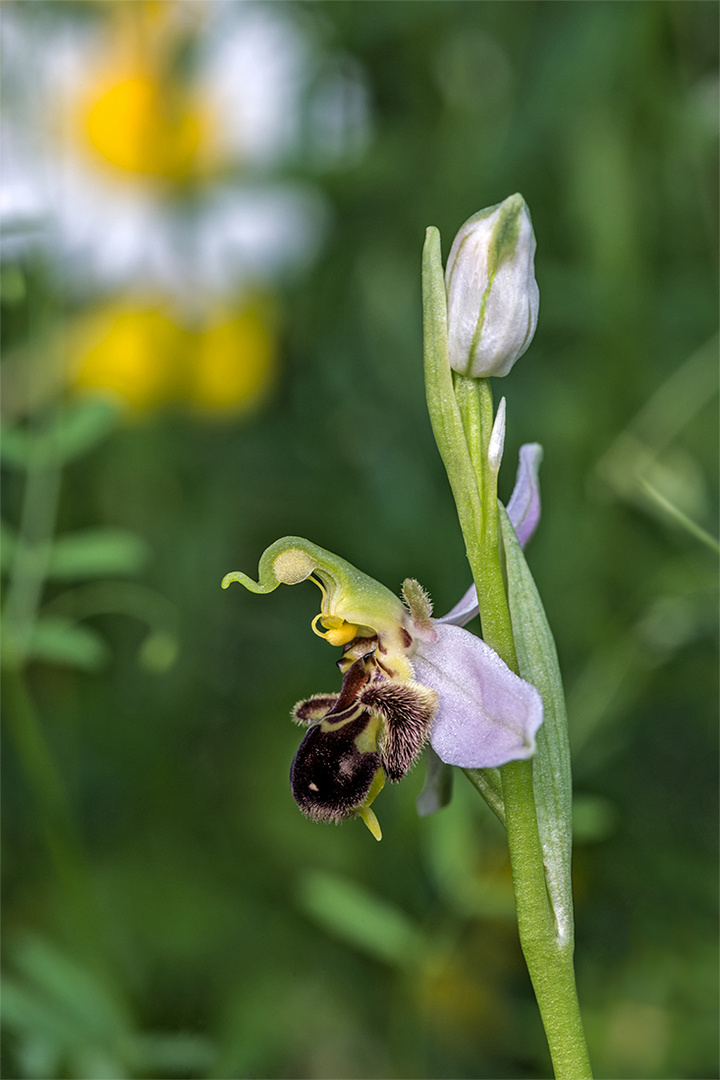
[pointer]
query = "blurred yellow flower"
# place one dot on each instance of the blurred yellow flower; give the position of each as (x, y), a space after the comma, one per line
(131, 350)
(138, 110)
(234, 363)
(453, 998)
(142, 124)
(143, 353)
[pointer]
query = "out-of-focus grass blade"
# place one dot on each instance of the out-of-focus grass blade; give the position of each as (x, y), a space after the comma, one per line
(360, 918)
(70, 432)
(96, 553)
(61, 641)
(63, 1011)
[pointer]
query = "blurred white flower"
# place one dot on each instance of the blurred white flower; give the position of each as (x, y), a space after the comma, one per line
(146, 149)
(149, 138)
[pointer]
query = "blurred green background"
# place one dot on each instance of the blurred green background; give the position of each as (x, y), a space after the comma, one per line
(213, 218)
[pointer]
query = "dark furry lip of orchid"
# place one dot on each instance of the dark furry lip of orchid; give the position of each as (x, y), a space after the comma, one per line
(408, 679)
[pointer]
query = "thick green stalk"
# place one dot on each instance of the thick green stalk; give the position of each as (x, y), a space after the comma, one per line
(549, 959)
(27, 574)
(549, 963)
(461, 413)
(474, 398)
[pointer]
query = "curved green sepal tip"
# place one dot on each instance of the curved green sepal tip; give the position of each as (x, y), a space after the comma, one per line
(287, 562)
(253, 586)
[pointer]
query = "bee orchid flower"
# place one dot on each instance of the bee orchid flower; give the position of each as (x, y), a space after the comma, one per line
(407, 679)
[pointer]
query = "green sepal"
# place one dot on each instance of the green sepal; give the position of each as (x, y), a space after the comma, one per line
(552, 780)
(488, 783)
(349, 596)
(437, 789)
(442, 404)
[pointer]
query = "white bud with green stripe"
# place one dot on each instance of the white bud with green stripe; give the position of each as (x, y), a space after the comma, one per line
(492, 293)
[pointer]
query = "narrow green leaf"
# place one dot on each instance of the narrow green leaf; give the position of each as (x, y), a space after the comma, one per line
(441, 401)
(176, 1054)
(357, 916)
(61, 641)
(96, 553)
(552, 780)
(15, 446)
(26, 1011)
(78, 427)
(71, 431)
(89, 1062)
(87, 1003)
(8, 545)
(58, 1008)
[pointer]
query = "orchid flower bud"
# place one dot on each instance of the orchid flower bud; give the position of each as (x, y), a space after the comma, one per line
(493, 297)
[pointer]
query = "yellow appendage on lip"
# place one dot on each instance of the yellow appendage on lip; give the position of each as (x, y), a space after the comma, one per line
(371, 821)
(337, 631)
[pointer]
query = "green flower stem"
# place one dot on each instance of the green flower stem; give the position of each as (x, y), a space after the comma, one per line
(27, 574)
(550, 962)
(461, 413)
(474, 397)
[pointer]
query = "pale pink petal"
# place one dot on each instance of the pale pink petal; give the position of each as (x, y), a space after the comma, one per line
(487, 715)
